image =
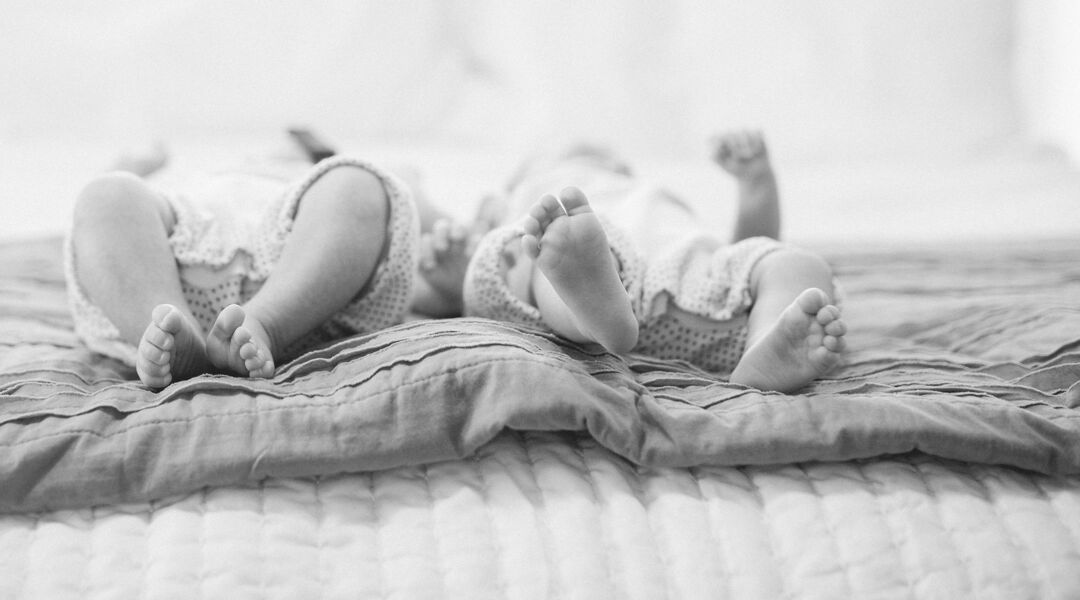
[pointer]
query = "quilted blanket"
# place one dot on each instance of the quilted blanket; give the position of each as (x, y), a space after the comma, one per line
(970, 354)
(535, 515)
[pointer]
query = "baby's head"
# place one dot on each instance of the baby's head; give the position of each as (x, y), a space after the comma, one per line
(584, 153)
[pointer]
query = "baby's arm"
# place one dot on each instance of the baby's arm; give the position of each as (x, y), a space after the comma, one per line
(745, 156)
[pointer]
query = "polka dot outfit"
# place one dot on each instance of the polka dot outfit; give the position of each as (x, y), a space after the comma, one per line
(230, 230)
(691, 297)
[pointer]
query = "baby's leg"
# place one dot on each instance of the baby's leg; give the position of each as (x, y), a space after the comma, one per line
(795, 334)
(336, 243)
(744, 155)
(576, 285)
(124, 264)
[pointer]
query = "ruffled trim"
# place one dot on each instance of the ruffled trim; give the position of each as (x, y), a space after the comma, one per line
(705, 277)
(487, 294)
(190, 229)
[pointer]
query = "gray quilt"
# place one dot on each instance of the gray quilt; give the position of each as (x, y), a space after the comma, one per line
(970, 354)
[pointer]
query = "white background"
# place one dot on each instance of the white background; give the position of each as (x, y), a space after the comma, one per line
(908, 119)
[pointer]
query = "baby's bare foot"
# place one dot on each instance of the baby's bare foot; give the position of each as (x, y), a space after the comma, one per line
(567, 241)
(171, 348)
(742, 154)
(238, 343)
(804, 344)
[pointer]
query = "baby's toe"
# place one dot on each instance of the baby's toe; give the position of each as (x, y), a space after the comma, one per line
(260, 368)
(256, 361)
(546, 210)
(828, 313)
(531, 225)
(833, 343)
(155, 356)
(530, 244)
(153, 367)
(158, 338)
(836, 328)
(154, 382)
(247, 349)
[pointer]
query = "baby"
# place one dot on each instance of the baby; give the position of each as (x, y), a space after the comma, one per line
(628, 266)
(236, 271)
(247, 268)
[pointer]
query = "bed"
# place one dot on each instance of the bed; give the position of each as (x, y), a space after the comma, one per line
(471, 459)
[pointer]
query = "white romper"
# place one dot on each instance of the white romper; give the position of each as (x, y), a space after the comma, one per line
(230, 230)
(689, 290)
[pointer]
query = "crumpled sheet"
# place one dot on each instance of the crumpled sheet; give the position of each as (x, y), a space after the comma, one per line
(965, 354)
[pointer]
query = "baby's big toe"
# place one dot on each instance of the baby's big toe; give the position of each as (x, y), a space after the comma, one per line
(230, 317)
(167, 318)
(573, 200)
(812, 301)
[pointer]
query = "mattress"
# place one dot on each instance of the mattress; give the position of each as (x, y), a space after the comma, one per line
(467, 458)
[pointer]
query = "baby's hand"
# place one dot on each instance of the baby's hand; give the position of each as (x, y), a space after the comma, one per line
(742, 154)
(445, 254)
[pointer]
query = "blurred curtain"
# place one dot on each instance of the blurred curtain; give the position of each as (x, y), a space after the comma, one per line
(829, 79)
(1048, 60)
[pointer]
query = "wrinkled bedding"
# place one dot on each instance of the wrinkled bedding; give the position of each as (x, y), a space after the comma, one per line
(968, 354)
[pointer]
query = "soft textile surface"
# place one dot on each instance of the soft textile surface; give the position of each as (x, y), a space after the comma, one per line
(968, 354)
(544, 515)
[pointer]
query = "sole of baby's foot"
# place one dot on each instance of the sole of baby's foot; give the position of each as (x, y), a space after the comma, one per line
(806, 342)
(566, 239)
(239, 344)
(171, 349)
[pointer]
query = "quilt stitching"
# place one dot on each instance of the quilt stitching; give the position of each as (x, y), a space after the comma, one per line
(546, 536)
(605, 535)
(377, 524)
(786, 586)
(636, 484)
(871, 486)
(439, 552)
(80, 526)
(821, 505)
(487, 499)
(1070, 525)
(951, 534)
(993, 500)
(720, 558)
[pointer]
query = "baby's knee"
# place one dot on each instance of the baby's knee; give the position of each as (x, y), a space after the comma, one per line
(109, 197)
(352, 191)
